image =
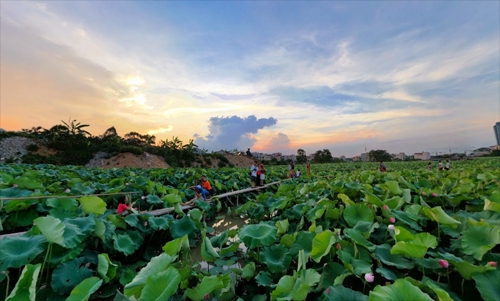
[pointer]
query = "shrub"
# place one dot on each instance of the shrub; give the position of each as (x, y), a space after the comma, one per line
(221, 164)
(131, 149)
(32, 148)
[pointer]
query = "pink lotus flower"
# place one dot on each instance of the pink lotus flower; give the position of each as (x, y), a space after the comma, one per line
(206, 297)
(385, 207)
(145, 224)
(444, 263)
(143, 197)
(339, 247)
(15, 185)
(68, 190)
(369, 277)
(423, 193)
(434, 194)
(328, 291)
(492, 263)
(87, 264)
(392, 220)
(126, 184)
(390, 227)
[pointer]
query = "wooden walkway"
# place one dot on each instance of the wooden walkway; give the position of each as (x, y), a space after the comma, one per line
(164, 211)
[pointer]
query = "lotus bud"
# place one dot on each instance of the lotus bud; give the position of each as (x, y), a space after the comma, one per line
(143, 197)
(145, 224)
(444, 263)
(423, 193)
(434, 194)
(307, 195)
(339, 247)
(392, 220)
(126, 184)
(206, 297)
(390, 227)
(87, 264)
(385, 207)
(328, 291)
(369, 277)
(43, 287)
(68, 190)
(324, 265)
(15, 185)
(492, 263)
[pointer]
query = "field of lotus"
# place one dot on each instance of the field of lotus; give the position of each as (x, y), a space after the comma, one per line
(347, 233)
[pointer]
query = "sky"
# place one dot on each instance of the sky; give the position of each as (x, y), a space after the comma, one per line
(273, 76)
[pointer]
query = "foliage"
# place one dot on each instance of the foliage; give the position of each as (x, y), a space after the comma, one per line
(379, 155)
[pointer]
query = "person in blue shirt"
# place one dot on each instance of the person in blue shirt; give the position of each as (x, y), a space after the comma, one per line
(200, 193)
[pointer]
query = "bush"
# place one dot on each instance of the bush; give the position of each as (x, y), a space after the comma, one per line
(32, 148)
(131, 149)
(221, 164)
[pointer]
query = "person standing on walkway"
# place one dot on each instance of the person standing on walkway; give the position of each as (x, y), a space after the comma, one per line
(291, 169)
(308, 167)
(261, 175)
(253, 173)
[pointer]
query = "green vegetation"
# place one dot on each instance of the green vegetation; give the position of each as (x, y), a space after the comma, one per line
(347, 233)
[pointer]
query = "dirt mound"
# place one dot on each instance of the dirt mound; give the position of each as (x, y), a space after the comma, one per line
(239, 161)
(129, 160)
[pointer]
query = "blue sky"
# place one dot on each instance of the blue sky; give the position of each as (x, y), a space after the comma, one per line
(273, 76)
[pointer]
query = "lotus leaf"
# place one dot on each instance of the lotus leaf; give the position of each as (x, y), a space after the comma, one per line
(441, 293)
(276, 257)
(68, 275)
(154, 200)
(248, 271)
(359, 239)
(181, 227)
(161, 286)
(20, 250)
(52, 229)
(492, 203)
(387, 274)
(288, 239)
(373, 199)
(258, 235)
(93, 204)
(159, 223)
(488, 285)
(124, 243)
(106, 268)
(156, 265)
(426, 239)
(14, 193)
(174, 247)
(282, 226)
(27, 183)
(321, 244)
(85, 289)
(437, 214)
(208, 252)
(264, 279)
(341, 293)
(399, 290)
(25, 288)
(407, 218)
(355, 266)
(85, 224)
(383, 253)
(358, 212)
(68, 204)
(409, 249)
(330, 272)
(207, 286)
(172, 199)
(18, 205)
(465, 269)
(479, 238)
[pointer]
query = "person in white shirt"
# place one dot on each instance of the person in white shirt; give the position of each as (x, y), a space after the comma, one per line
(440, 165)
(298, 173)
(253, 173)
(447, 167)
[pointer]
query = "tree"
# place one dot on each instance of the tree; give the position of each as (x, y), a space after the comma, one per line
(301, 156)
(323, 156)
(379, 155)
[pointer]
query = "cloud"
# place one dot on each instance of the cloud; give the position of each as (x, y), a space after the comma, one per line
(233, 132)
(161, 130)
(279, 143)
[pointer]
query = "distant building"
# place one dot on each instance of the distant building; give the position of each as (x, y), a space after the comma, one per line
(365, 157)
(481, 152)
(496, 128)
(400, 156)
(422, 156)
(356, 158)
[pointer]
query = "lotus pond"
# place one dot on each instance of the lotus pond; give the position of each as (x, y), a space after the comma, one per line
(347, 233)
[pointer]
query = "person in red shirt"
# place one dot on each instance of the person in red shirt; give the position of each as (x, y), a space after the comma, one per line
(206, 185)
(122, 205)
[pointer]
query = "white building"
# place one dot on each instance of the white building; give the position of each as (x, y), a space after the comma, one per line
(400, 156)
(422, 156)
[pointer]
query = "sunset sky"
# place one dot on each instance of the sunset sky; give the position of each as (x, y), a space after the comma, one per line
(273, 76)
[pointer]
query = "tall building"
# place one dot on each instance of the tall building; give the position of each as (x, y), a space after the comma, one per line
(496, 128)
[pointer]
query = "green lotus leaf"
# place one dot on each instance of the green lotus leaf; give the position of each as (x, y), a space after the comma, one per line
(284, 288)
(248, 271)
(358, 212)
(20, 250)
(25, 288)
(394, 203)
(27, 183)
(156, 265)
(347, 201)
(195, 214)
(206, 286)
(353, 265)
(159, 223)
(154, 200)
(93, 204)
(373, 199)
(85, 289)
(183, 226)
(125, 243)
(14, 193)
(464, 268)
(18, 205)
(282, 226)
(426, 239)
(72, 236)
(117, 220)
(258, 235)
(399, 290)
(358, 238)
(322, 244)
(220, 240)
(402, 234)
(383, 253)
(441, 293)
(68, 275)
(85, 224)
(161, 286)
(492, 203)
(126, 277)
(276, 257)
(303, 241)
(407, 218)
(172, 199)
(208, 252)
(60, 254)
(437, 214)
(479, 238)
(106, 268)
(409, 249)
(174, 247)
(52, 229)
(264, 279)
(393, 187)
(309, 277)
(330, 272)
(488, 284)
(387, 274)
(342, 293)
(288, 240)
(67, 204)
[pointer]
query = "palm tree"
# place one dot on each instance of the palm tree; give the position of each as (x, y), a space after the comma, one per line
(75, 128)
